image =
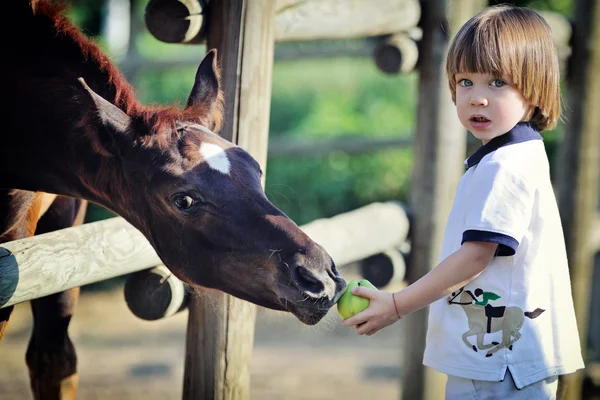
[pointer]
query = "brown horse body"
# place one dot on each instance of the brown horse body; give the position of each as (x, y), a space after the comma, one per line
(72, 126)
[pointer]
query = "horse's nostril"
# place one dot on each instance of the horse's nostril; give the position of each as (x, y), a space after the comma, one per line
(307, 281)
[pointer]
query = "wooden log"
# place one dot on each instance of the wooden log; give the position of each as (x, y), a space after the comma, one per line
(305, 20)
(155, 293)
(183, 21)
(384, 268)
(220, 327)
(578, 175)
(56, 261)
(360, 233)
(177, 21)
(397, 54)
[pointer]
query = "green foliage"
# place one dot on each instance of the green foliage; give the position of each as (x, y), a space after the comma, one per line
(165, 87)
(323, 99)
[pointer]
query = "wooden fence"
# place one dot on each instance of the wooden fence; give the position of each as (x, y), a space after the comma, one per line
(53, 262)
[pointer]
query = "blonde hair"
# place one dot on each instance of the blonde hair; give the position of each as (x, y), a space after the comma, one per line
(514, 42)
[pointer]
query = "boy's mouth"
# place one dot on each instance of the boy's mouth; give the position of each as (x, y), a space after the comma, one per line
(479, 118)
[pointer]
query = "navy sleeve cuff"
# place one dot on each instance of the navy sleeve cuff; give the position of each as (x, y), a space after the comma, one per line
(507, 245)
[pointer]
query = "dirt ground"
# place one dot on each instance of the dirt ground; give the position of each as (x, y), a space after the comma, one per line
(123, 357)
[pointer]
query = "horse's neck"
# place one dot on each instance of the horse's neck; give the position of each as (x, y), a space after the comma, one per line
(472, 309)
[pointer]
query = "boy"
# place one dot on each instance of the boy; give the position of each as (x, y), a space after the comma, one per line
(501, 296)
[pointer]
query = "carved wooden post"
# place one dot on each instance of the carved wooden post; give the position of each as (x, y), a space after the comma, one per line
(439, 154)
(221, 327)
(578, 175)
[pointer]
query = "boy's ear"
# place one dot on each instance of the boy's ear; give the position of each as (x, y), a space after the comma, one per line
(115, 122)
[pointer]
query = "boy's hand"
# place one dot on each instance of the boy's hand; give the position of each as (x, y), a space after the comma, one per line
(380, 313)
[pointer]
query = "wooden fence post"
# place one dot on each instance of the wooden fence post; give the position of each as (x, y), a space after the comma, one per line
(578, 176)
(221, 328)
(440, 142)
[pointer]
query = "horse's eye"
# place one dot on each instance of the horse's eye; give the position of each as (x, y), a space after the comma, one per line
(183, 202)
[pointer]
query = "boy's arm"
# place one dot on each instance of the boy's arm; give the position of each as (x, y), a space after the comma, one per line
(452, 273)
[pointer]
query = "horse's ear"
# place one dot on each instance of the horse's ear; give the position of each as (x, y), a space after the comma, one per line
(111, 117)
(206, 84)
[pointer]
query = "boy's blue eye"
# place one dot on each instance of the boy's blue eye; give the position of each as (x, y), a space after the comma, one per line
(465, 83)
(498, 83)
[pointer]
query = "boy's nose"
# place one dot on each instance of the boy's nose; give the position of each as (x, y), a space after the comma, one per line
(479, 101)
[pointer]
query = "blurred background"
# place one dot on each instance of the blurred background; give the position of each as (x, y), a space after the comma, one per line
(341, 135)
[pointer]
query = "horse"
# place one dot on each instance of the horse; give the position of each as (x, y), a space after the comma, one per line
(482, 320)
(73, 131)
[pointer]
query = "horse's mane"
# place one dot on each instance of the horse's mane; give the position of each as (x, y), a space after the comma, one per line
(160, 118)
(55, 12)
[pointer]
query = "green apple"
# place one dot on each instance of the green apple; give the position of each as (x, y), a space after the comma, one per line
(350, 304)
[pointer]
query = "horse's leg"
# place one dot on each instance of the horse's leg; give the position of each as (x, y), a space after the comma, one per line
(471, 332)
(510, 324)
(51, 355)
(506, 341)
(480, 344)
(516, 336)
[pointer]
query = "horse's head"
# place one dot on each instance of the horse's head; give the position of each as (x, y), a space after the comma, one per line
(199, 200)
(466, 297)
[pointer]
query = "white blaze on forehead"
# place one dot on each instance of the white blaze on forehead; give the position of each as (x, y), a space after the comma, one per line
(216, 157)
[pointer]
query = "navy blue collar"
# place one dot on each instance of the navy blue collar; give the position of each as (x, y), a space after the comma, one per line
(522, 132)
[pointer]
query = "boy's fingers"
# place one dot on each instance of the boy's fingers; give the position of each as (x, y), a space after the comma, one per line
(364, 292)
(355, 319)
(363, 328)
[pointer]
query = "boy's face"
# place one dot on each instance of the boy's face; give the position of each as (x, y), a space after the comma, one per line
(488, 106)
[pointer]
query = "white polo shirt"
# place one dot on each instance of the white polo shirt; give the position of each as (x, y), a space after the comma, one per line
(518, 314)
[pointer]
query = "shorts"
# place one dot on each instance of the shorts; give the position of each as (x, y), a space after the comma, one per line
(468, 389)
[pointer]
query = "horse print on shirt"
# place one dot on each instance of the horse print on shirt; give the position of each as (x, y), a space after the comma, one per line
(484, 318)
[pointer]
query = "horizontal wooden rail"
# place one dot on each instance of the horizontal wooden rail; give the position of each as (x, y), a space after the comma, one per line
(361, 233)
(56, 261)
(175, 21)
(340, 19)
(372, 234)
(50, 263)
